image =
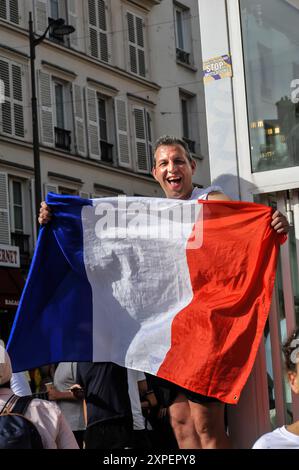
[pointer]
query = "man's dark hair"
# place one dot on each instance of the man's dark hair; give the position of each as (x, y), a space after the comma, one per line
(288, 348)
(171, 140)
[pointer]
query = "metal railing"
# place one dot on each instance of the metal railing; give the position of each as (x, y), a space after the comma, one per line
(183, 56)
(62, 138)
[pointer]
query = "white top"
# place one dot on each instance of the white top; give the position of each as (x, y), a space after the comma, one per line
(202, 193)
(280, 438)
(49, 421)
(135, 376)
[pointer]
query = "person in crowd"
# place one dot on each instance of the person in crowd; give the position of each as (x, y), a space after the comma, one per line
(197, 420)
(46, 416)
(109, 415)
(65, 376)
(287, 436)
(137, 384)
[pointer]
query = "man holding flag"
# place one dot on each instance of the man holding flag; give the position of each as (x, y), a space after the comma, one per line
(197, 399)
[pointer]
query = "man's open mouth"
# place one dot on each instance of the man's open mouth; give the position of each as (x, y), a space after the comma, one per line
(174, 181)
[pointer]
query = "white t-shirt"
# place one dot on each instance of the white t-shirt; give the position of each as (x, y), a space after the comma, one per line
(280, 438)
(202, 193)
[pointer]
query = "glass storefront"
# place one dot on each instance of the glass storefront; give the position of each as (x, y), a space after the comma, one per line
(270, 37)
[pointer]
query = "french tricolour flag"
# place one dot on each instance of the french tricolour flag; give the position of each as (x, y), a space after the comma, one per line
(179, 289)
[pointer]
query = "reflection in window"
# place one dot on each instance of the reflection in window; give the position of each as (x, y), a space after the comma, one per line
(270, 44)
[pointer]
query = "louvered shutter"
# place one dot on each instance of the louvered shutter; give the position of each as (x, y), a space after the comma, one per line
(33, 212)
(41, 11)
(46, 109)
(98, 33)
(17, 94)
(73, 20)
(9, 10)
(136, 44)
(3, 9)
(12, 110)
(14, 11)
(6, 106)
(93, 124)
(149, 137)
(4, 210)
(123, 147)
(140, 140)
(80, 131)
(50, 188)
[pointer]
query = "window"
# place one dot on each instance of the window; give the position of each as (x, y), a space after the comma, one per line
(106, 147)
(9, 10)
(62, 134)
(17, 206)
(189, 120)
(143, 139)
(270, 47)
(182, 33)
(54, 9)
(100, 125)
(136, 44)
(57, 9)
(12, 110)
(56, 110)
(98, 30)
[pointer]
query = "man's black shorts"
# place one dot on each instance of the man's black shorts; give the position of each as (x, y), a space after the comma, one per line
(166, 392)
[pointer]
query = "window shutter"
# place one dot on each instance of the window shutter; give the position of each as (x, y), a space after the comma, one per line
(140, 44)
(73, 20)
(136, 44)
(4, 210)
(121, 115)
(34, 221)
(9, 10)
(80, 132)
(140, 140)
(41, 16)
(46, 109)
(12, 110)
(50, 188)
(18, 108)
(14, 11)
(149, 136)
(6, 107)
(93, 124)
(3, 9)
(98, 34)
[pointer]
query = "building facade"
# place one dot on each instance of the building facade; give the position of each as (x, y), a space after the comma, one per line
(129, 73)
(252, 126)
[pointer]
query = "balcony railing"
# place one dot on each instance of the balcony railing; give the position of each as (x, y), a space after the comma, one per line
(22, 241)
(62, 138)
(183, 56)
(190, 143)
(106, 151)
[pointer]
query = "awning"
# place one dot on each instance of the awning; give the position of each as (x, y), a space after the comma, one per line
(11, 286)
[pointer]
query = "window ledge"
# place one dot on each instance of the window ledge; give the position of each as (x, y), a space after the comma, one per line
(187, 66)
